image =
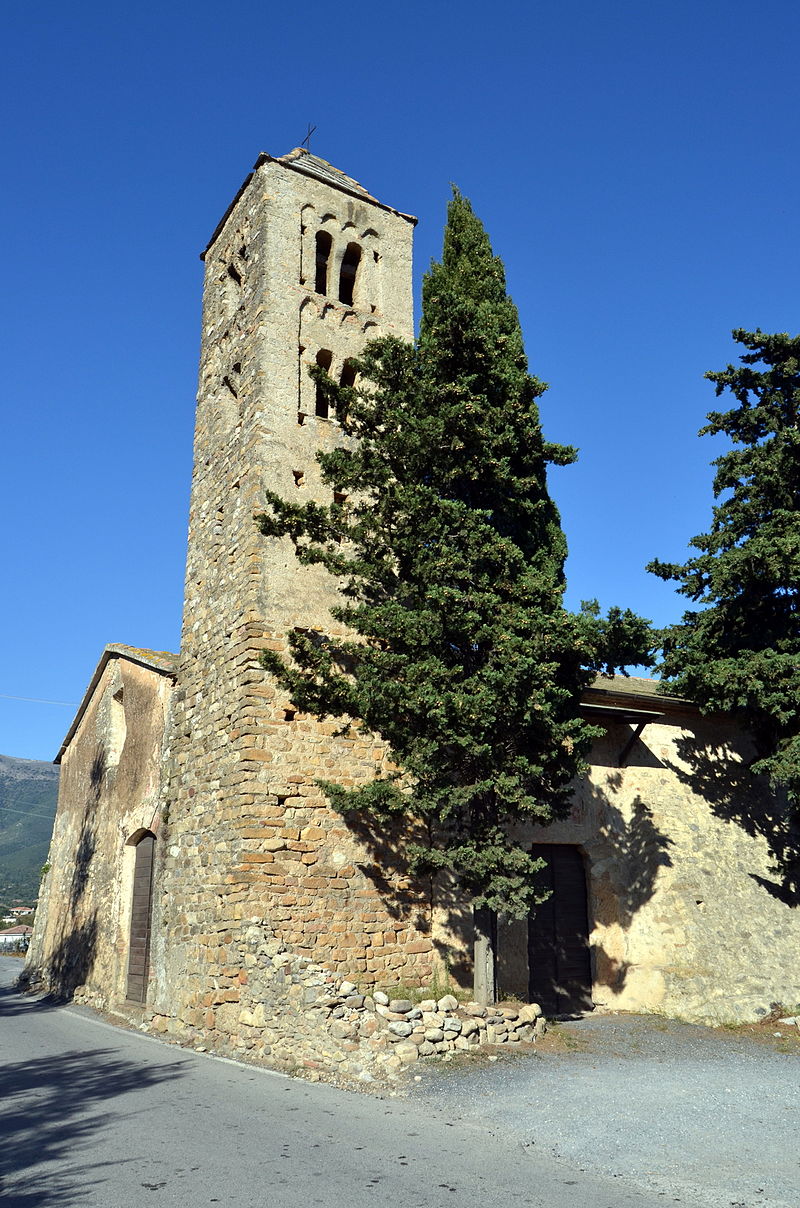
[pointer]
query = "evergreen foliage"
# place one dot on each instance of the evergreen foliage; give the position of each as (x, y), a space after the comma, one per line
(450, 557)
(740, 652)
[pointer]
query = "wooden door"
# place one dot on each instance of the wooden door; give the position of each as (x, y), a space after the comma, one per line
(560, 973)
(141, 908)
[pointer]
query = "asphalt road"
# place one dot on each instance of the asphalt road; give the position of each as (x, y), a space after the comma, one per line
(92, 1115)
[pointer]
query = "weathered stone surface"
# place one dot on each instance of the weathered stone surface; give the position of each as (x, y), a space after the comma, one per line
(255, 1018)
(447, 1002)
(407, 1052)
(341, 1030)
(400, 1005)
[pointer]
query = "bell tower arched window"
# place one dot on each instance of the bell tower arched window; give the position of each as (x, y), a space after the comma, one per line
(324, 357)
(324, 242)
(347, 273)
(348, 375)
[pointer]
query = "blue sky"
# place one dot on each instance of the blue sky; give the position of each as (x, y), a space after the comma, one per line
(635, 165)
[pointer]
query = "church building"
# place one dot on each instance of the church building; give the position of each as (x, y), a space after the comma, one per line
(194, 858)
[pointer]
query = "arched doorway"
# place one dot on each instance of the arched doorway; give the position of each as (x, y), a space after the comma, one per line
(141, 909)
(559, 964)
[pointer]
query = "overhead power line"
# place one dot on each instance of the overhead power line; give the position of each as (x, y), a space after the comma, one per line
(10, 809)
(35, 700)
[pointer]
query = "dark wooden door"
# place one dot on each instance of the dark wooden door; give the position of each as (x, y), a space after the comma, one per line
(558, 934)
(139, 950)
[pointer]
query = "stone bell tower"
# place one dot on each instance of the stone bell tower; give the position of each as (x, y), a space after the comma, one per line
(305, 267)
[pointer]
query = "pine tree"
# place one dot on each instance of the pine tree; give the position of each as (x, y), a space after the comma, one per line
(450, 557)
(740, 652)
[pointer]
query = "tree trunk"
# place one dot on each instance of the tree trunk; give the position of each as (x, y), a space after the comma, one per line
(485, 937)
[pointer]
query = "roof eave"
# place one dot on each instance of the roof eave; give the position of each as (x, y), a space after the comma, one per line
(629, 698)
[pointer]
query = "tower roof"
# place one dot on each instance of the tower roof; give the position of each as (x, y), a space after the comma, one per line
(301, 160)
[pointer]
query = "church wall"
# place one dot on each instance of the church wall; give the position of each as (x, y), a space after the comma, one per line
(685, 904)
(110, 774)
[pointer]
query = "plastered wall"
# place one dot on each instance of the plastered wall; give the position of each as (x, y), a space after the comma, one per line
(108, 794)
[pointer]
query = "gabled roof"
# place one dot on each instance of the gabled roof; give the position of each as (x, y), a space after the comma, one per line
(163, 661)
(301, 160)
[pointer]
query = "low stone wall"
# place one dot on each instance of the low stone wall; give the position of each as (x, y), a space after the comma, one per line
(291, 1013)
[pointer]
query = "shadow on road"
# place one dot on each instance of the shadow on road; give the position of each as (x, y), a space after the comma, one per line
(51, 1109)
(13, 1000)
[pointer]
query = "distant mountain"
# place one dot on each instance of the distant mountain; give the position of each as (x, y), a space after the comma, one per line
(28, 795)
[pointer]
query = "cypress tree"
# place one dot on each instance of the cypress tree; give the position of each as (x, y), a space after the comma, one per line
(450, 558)
(739, 653)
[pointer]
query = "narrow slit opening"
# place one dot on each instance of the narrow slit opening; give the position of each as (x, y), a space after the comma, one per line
(324, 243)
(347, 273)
(321, 409)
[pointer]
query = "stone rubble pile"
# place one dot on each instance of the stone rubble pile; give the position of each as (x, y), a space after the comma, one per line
(424, 1029)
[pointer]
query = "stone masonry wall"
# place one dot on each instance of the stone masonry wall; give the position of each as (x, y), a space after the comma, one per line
(303, 1018)
(249, 833)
